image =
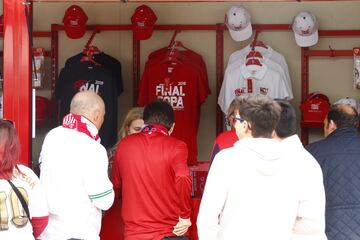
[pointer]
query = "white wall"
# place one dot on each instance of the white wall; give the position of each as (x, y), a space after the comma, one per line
(332, 76)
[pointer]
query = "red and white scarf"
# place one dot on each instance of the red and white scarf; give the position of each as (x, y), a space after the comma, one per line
(152, 127)
(81, 124)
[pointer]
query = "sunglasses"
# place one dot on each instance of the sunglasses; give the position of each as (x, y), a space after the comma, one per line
(238, 118)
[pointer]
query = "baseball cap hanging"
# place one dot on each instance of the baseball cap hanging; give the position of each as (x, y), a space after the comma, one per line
(75, 22)
(350, 101)
(305, 27)
(238, 21)
(143, 21)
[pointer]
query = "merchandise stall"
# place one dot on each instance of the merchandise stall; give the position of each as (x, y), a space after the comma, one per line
(18, 93)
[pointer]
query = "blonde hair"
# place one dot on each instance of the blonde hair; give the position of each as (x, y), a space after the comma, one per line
(133, 114)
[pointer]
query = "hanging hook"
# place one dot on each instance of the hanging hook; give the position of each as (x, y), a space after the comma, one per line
(332, 52)
(91, 38)
(253, 44)
(173, 38)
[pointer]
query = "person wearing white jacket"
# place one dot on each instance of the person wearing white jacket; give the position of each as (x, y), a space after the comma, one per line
(254, 189)
(74, 172)
(310, 221)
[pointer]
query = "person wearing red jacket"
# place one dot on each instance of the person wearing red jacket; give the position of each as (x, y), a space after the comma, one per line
(226, 139)
(151, 175)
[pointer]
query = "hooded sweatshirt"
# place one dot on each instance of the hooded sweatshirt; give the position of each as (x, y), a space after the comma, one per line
(253, 191)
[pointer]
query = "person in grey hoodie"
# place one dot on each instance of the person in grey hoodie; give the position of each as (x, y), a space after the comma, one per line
(253, 189)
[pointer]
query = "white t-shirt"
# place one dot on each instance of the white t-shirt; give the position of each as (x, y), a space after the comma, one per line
(272, 65)
(74, 175)
(267, 53)
(240, 81)
(13, 219)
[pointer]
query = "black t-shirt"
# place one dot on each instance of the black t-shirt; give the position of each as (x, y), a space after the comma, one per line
(84, 76)
(107, 61)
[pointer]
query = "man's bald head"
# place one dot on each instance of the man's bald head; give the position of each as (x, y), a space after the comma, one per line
(89, 105)
(340, 116)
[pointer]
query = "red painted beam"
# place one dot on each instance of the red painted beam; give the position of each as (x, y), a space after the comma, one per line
(17, 77)
(329, 53)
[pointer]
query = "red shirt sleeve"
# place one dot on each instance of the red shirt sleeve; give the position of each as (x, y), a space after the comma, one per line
(182, 179)
(115, 177)
(39, 224)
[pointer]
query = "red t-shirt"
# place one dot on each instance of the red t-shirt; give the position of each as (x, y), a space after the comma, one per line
(181, 85)
(188, 56)
(151, 172)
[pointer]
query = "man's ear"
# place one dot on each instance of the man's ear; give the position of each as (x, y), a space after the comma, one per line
(171, 129)
(332, 125)
(274, 135)
(247, 127)
(95, 116)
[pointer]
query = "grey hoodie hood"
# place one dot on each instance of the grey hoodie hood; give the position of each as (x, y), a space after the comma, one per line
(267, 153)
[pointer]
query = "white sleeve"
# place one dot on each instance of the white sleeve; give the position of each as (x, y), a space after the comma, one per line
(310, 223)
(287, 77)
(213, 200)
(96, 180)
(283, 91)
(226, 94)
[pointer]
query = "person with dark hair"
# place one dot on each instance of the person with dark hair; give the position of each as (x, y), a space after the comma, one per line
(252, 189)
(15, 178)
(226, 139)
(339, 157)
(287, 123)
(74, 171)
(151, 175)
(312, 199)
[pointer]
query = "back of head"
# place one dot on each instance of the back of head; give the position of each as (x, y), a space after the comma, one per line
(343, 115)
(9, 149)
(86, 103)
(159, 112)
(262, 113)
(286, 126)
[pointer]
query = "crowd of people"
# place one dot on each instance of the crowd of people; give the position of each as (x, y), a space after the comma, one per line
(262, 183)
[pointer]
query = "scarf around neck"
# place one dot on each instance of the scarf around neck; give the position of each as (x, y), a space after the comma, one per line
(152, 127)
(81, 124)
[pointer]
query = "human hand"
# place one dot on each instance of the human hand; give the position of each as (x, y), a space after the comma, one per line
(182, 226)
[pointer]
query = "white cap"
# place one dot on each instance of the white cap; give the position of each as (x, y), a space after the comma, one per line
(347, 100)
(305, 28)
(238, 22)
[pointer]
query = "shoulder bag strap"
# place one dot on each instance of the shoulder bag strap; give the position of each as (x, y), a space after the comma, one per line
(21, 198)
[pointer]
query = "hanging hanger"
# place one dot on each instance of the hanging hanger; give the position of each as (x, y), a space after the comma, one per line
(253, 61)
(254, 54)
(89, 51)
(172, 40)
(260, 44)
(180, 44)
(256, 43)
(173, 54)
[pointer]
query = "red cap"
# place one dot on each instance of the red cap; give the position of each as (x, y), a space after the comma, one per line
(143, 21)
(75, 22)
